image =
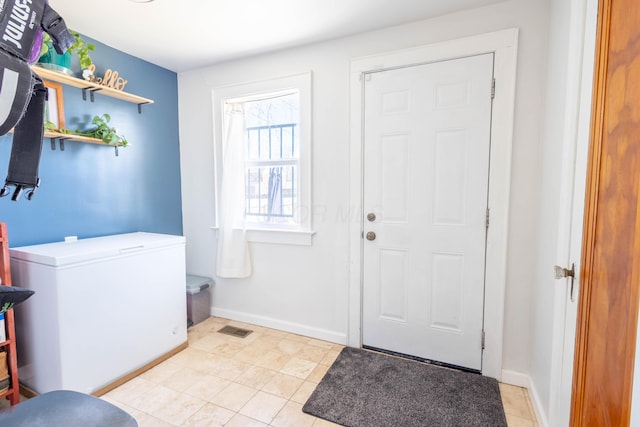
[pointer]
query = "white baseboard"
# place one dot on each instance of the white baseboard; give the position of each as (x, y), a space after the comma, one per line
(295, 328)
(516, 378)
(523, 380)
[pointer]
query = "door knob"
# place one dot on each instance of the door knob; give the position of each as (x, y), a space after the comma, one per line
(371, 217)
(564, 273)
(371, 235)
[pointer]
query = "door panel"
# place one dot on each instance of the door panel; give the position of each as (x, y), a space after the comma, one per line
(610, 293)
(426, 168)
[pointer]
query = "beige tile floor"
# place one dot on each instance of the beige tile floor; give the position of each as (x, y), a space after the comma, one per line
(261, 380)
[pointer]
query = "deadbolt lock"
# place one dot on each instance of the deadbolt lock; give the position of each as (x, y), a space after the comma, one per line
(371, 235)
(371, 217)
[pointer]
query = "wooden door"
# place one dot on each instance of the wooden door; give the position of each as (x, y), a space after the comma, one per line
(608, 311)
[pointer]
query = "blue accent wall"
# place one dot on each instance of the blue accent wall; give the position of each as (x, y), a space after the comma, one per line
(87, 191)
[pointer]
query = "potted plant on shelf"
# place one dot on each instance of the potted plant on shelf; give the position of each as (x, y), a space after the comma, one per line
(52, 60)
(108, 135)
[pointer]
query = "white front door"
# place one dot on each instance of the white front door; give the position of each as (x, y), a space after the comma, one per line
(426, 173)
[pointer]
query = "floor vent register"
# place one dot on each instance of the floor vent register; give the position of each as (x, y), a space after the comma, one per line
(235, 332)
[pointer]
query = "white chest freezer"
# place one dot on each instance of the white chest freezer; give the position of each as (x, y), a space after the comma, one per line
(103, 308)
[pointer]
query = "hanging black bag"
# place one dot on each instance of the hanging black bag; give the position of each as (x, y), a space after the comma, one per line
(22, 93)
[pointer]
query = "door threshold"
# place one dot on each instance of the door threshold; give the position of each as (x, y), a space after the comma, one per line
(422, 360)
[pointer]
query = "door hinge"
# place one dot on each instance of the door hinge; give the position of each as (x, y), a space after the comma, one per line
(493, 88)
(486, 223)
(483, 337)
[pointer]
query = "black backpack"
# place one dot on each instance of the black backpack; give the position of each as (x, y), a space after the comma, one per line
(22, 93)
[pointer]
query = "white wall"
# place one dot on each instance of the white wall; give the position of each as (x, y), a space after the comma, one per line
(547, 323)
(305, 288)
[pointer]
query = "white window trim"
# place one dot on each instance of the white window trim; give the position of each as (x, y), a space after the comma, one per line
(301, 82)
(279, 237)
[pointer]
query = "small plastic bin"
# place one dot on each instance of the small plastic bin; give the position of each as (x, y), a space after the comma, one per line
(198, 298)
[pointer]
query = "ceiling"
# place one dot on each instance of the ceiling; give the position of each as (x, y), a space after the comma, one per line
(187, 34)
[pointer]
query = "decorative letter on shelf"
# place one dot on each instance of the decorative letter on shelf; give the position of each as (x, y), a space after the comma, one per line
(111, 78)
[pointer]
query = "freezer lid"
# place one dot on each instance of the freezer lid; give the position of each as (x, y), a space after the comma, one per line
(66, 253)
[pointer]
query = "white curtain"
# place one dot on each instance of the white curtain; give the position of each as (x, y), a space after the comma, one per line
(233, 260)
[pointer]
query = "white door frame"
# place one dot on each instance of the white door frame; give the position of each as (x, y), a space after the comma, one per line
(576, 134)
(504, 44)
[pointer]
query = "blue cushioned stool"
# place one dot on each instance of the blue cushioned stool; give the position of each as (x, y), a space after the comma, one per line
(64, 408)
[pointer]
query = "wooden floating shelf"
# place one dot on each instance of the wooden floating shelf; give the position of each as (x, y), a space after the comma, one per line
(71, 137)
(77, 138)
(56, 76)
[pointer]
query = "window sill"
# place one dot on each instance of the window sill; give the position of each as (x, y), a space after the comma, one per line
(279, 237)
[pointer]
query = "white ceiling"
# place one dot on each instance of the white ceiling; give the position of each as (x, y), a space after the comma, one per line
(187, 34)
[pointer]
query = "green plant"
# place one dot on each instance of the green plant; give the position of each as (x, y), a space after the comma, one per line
(51, 127)
(109, 135)
(79, 47)
(104, 132)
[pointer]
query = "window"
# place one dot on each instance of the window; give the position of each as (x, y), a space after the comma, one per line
(276, 155)
(272, 160)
